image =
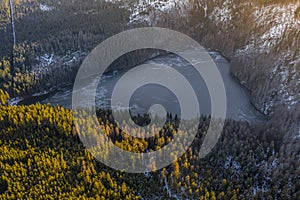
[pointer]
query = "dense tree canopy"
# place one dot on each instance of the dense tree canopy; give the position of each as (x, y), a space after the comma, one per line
(42, 157)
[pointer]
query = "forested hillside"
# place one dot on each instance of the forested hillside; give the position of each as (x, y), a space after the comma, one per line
(42, 157)
(51, 43)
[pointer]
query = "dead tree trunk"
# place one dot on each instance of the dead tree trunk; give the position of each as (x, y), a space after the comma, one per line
(12, 21)
(12, 69)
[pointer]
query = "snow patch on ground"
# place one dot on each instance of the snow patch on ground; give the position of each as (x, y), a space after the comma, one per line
(233, 165)
(222, 14)
(298, 135)
(169, 191)
(258, 188)
(45, 8)
(15, 101)
(281, 17)
(47, 59)
(38, 94)
(145, 10)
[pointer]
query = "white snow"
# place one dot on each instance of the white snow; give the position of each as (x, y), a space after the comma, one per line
(279, 18)
(169, 191)
(288, 74)
(276, 20)
(298, 134)
(50, 59)
(15, 101)
(39, 94)
(46, 59)
(145, 10)
(222, 14)
(44, 7)
(231, 164)
(258, 188)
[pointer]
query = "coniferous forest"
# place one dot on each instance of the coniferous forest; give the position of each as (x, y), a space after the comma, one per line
(42, 156)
